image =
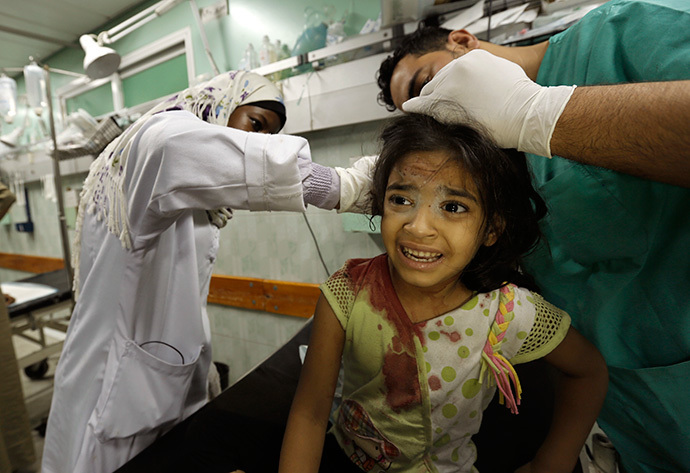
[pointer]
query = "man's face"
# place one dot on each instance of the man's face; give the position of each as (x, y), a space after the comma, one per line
(413, 72)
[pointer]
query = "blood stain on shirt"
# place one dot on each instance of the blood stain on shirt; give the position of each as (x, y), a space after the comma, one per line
(401, 378)
(452, 336)
(434, 383)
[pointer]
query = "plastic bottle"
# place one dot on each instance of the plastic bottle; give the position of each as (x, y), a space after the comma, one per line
(252, 57)
(34, 76)
(242, 65)
(8, 98)
(334, 35)
(267, 53)
(250, 60)
(282, 52)
(311, 38)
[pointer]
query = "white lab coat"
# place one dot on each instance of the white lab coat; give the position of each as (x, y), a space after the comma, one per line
(113, 397)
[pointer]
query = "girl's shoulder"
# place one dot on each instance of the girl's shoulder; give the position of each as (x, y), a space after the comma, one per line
(356, 271)
(544, 311)
(515, 300)
(512, 306)
(549, 327)
(346, 283)
(514, 296)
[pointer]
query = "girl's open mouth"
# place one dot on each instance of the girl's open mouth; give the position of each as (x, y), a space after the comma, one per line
(420, 256)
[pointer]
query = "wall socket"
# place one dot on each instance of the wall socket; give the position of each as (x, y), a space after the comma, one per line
(212, 12)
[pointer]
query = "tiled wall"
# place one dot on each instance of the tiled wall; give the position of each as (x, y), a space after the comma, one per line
(279, 246)
(274, 245)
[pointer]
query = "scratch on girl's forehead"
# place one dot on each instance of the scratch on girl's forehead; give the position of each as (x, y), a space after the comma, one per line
(419, 166)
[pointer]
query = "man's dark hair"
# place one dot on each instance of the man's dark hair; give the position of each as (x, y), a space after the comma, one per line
(425, 39)
(512, 207)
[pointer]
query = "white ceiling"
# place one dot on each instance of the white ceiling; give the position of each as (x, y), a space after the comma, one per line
(40, 28)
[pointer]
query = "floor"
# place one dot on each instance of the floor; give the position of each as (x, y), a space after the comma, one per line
(37, 392)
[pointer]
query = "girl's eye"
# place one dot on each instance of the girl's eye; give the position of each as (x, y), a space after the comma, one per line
(256, 124)
(454, 207)
(398, 200)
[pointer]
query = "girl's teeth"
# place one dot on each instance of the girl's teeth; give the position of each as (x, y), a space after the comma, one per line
(425, 256)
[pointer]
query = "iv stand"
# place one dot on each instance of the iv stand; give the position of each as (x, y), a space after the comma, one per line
(64, 236)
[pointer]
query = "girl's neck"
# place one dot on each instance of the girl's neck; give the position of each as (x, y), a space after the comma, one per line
(422, 303)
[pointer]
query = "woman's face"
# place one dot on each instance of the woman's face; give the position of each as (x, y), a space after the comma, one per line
(256, 119)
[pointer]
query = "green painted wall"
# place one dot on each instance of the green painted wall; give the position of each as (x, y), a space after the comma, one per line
(156, 82)
(228, 36)
(97, 102)
(241, 338)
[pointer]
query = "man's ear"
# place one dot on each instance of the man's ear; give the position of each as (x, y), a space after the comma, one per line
(462, 41)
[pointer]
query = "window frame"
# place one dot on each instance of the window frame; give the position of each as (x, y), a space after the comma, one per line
(155, 53)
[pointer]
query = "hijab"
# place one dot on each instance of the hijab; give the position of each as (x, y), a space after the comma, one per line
(213, 102)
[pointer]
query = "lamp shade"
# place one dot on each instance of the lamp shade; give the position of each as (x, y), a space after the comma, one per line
(99, 61)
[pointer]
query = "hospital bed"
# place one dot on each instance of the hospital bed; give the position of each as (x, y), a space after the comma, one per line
(42, 301)
(254, 410)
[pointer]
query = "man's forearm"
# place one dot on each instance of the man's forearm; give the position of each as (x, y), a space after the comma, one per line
(641, 129)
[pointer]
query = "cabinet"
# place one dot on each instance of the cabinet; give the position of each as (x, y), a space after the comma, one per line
(338, 95)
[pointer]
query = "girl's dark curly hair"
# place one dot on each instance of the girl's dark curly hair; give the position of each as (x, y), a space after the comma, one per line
(512, 207)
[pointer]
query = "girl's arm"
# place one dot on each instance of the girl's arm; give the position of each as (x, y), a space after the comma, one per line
(579, 398)
(306, 427)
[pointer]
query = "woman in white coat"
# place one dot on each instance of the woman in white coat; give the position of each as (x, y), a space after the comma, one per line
(137, 353)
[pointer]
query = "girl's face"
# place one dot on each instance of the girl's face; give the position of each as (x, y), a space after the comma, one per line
(433, 223)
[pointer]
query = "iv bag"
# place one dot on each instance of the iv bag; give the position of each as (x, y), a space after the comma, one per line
(34, 76)
(8, 98)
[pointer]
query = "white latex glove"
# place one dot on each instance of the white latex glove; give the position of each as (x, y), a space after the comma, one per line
(497, 93)
(355, 183)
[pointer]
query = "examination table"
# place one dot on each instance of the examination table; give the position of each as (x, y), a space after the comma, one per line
(251, 415)
(38, 298)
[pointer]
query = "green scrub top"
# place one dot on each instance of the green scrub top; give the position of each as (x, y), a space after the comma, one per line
(618, 255)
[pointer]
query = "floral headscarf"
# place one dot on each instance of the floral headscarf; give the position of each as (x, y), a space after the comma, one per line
(212, 101)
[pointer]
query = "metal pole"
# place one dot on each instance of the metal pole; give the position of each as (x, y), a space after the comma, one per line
(58, 184)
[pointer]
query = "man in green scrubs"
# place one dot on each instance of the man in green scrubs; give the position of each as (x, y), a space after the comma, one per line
(618, 230)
